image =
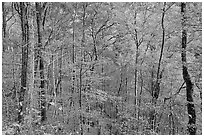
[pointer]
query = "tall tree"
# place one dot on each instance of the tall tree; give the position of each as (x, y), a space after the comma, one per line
(4, 23)
(4, 19)
(39, 61)
(186, 76)
(73, 50)
(25, 43)
(156, 84)
(81, 61)
(136, 56)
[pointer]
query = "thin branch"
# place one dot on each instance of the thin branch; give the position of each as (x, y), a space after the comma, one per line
(174, 95)
(163, 38)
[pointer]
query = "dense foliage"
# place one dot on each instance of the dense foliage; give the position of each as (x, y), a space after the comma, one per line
(101, 68)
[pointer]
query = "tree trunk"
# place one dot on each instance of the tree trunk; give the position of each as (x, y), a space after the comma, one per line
(4, 20)
(139, 98)
(136, 60)
(3, 25)
(156, 85)
(80, 72)
(25, 43)
(186, 76)
(40, 62)
(31, 93)
(73, 60)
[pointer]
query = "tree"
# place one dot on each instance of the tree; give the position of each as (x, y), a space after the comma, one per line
(156, 84)
(4, 21)
(23, 10)
(39, 60)
(102, 68)
(186, 76)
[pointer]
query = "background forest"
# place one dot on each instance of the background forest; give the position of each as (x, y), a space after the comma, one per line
(101, 68)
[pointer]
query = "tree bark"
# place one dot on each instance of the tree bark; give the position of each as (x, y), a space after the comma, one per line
(189, 85)
(80, 72)
(3, 24)
(139, 98)
(4, 20)
(136, 60)
(40, 61)
(25, 43)
(73, 58)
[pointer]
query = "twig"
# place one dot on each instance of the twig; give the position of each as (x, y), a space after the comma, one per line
(167, 98)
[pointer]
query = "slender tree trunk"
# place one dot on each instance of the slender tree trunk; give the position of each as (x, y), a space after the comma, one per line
(136, 59)
(186, 76)
(53, 84)
(95, 56)
(60, 78)
(40, 61)
(80, 75)
(73, 60)
(126, 88)
(156, 85)
(25, 43)
(94, 43)
(14, 74)
(32, 93)
(139, 98)
(3, 25)
(171, 119)
(121, 83)
(4, 20)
